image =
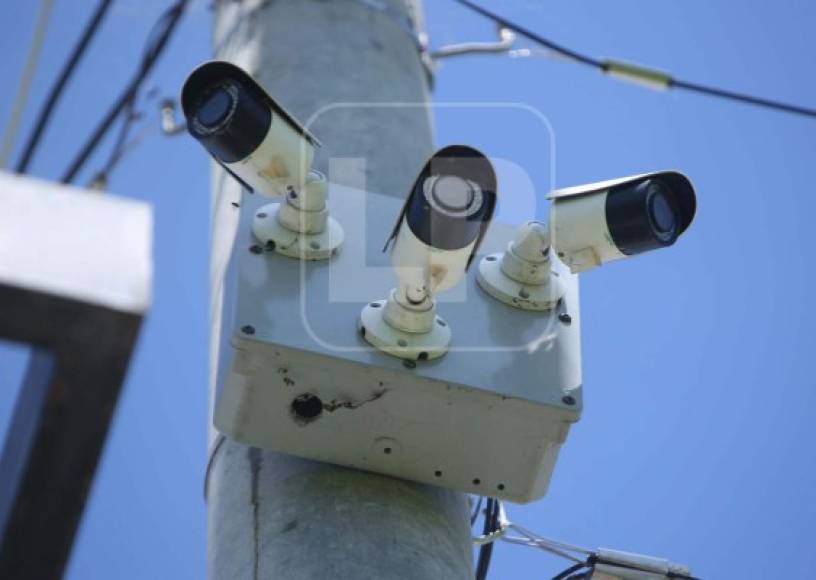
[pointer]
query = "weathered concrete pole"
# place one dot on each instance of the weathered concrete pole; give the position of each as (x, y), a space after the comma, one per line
(276, 516)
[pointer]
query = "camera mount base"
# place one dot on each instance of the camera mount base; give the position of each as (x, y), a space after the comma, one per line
(305, 246)
(505, 289)
(406, 345)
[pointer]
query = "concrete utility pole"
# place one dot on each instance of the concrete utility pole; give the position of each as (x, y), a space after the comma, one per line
(277, 516)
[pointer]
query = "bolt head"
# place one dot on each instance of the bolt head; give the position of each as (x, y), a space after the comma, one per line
(568, 400)
(248, 329)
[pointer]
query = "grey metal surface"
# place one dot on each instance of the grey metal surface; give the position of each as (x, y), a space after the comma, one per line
(489, 417)
(311, 306)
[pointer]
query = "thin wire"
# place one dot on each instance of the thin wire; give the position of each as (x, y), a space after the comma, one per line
(121, 146)
(486, 551)
(569, 571)
(749, 99)
(59, 85)
(498, 528)
(576, 56)
(476, 511)
(30, 67)
(532, 543)
(166, 124)
(167, 24)
(219, 441)
(539, 537)
(608, 67)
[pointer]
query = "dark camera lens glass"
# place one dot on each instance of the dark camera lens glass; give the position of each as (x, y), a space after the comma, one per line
(229, 116)
(453, 193)
(662, 213)
(215, 107)
(642, 216)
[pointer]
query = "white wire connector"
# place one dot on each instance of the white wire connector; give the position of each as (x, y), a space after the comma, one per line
(506, 39)
(503, 524)
(616, 564)
(606, 564)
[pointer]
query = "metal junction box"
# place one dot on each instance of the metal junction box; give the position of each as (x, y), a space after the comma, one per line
(295, 375)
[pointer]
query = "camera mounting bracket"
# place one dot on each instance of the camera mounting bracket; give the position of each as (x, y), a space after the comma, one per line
(499, 285)
(523, 276)
(300, 226)
(426, 344)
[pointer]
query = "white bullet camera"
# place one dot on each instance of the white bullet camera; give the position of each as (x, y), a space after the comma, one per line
(433, 243)
(608, 220)
(245, 130)
(265, 148)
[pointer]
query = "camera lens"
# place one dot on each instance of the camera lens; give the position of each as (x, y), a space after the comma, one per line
(215, 107)
(452, 193)
(661, 213)
(642, 216)
(227, 113)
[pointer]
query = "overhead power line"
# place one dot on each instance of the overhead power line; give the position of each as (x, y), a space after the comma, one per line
(637, 73)
(59, 85)
(162, 31)
(37, 41)
(100, 179)
(759, 101)
(166, 124)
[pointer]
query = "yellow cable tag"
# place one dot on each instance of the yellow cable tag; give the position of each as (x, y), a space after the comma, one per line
(636, 73)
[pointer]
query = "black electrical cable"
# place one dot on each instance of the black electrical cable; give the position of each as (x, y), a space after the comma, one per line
(594, 559)
(562, 50)
(118, 151)
(169, 20)
(59, 85)
(570, 571)
(604, 66)
(751, 100)
(491, 522)
(476, 511)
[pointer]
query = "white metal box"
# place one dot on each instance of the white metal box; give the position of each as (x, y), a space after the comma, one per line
(487, 418)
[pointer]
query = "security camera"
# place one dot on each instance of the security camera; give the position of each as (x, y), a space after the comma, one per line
(245, 130)
(433, 242)
(266, 149)
(609, 220)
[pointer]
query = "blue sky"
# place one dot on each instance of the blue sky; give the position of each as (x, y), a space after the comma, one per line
(696, 438)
